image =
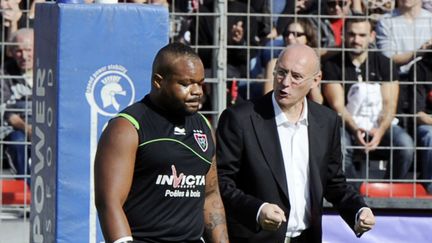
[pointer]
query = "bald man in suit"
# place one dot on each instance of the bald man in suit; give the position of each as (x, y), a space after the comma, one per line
(280, 155)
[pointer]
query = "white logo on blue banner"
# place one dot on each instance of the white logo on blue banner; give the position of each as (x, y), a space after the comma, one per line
(109, 90)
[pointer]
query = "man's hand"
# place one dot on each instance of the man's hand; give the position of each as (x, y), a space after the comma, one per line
(365, 222)
(271, 217)
(11, 13)
(376, 134)
(426, 46)
(29, 131)
(273, 34)
(360, 135)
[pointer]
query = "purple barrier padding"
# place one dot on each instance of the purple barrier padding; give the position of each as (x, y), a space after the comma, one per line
(394, 229)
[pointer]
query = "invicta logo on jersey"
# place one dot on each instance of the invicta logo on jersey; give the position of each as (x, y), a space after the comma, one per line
(181, 183)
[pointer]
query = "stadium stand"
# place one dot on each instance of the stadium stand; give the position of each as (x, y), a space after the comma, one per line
(204, 25)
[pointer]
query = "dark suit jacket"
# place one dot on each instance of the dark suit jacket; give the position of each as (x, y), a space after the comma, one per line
(251, 169)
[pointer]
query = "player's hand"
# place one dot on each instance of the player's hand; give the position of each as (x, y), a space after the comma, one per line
(365, 222)
(271, 217)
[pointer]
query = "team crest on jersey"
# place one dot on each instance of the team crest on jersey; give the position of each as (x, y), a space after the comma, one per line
(201, 139)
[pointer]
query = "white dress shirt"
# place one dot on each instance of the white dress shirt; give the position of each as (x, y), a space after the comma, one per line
(294, 142)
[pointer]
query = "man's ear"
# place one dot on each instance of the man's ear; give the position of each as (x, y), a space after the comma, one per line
(372, 37)
(317, 79)
(9, 51)
(157, 80)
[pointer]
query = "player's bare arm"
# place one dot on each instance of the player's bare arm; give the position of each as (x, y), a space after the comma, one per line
(114, 166)
(214, 212)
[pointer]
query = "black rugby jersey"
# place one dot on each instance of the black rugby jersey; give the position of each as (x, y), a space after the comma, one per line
(165, 203)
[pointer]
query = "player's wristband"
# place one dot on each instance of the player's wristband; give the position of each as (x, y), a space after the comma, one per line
(126, 239)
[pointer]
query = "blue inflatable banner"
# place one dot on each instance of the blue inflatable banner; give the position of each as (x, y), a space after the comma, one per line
(91, 61)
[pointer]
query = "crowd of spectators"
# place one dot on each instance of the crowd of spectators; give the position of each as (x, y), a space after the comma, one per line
(16, 82)
(397, 66)
(379, 62)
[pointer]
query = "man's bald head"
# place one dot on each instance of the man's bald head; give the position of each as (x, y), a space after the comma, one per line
(304, 54)
(297, 71)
